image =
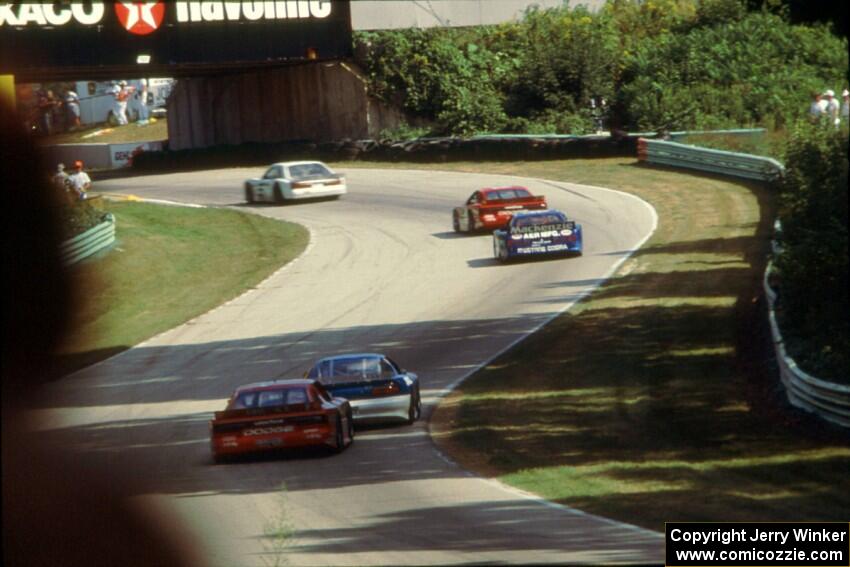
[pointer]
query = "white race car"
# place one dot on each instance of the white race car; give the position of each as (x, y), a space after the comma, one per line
(295, 180)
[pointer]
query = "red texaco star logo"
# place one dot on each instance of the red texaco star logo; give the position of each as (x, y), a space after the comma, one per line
(140, 18)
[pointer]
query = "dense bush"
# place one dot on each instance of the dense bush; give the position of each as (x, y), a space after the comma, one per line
(813, 266)
(433, 77)
(79, 216)
(757, 70)
(660, 64)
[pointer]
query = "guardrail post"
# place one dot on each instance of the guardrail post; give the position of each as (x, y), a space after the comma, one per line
(642, 150)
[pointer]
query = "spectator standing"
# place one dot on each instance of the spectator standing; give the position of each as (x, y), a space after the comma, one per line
(58, 113)
(140, 102)
(845, 106)
(122, 95)
(60, 178)
(816, 109)
(832, 107)
(44, 107)
(823, 103)
(80, 180)
(72, 107)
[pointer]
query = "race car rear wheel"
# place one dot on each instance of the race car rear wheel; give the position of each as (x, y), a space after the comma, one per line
(415, 410)
(278, 194)
(249, 193)
(350, 429)
(501, 252)
(339, 442)
(456, 221)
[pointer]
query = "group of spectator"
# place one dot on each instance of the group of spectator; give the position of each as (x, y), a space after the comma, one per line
(76, 184)
(62, 113)
(825, 106)
(57, 113)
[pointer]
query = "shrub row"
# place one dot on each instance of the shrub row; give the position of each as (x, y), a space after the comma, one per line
(660, 64)
(813, 267)
(78, 216)
(425, 150)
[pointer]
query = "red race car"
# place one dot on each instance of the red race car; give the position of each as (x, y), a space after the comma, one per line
(493, 208)
(284, 413)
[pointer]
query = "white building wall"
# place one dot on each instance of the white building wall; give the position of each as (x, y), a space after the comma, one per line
(393, 14)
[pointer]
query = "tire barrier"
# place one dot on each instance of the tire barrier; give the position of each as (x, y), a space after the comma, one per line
(674, 154)
(90, 242)
(491, 148)
(828, 400)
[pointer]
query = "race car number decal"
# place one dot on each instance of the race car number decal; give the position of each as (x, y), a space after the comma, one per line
(266, 430)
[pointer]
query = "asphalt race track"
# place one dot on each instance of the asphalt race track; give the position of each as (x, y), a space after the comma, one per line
(383, 272)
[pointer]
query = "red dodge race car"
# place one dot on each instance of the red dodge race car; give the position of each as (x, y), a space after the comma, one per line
(493, 208)
(285, 413)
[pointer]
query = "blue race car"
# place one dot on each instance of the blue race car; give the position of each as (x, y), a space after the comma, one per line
(536, 233)
(376, 387)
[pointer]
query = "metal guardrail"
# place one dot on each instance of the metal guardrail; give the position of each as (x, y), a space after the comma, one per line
(738, 132)
(89, 242)
(705, 159)
(673, 135)
(828, 400)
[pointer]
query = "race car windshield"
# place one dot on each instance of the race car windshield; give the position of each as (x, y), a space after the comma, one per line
(537, 220)
(308, 170)
(505, 194)
(351, 369)
(270, 398)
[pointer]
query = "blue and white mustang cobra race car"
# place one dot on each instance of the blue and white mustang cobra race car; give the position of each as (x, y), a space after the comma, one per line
(293, 180)
(376, 387)
(535, 233)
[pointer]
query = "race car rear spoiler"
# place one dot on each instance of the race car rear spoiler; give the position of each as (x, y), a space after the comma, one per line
(257, 412)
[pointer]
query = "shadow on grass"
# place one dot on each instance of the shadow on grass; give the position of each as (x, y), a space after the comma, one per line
(658, 400)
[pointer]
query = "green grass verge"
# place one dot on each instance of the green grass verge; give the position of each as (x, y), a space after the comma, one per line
(654, 400)
(133, 132)
(770, 144)
(169, 265)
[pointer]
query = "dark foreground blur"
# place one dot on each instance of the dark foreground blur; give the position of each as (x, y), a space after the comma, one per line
(56, 511)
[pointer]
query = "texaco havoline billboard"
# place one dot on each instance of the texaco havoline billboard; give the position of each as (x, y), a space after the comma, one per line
(39, 37)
